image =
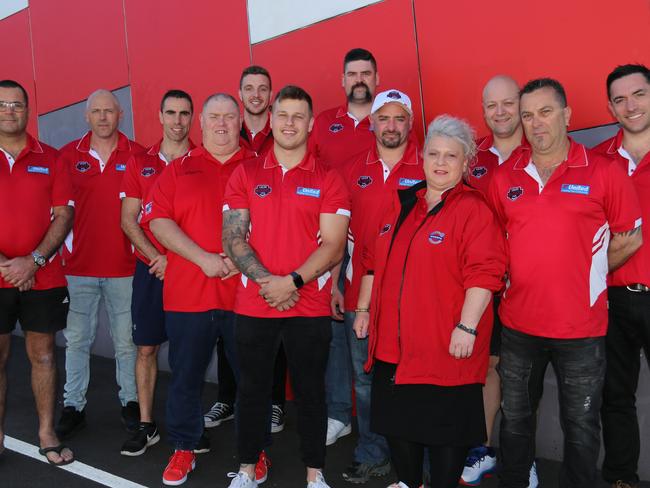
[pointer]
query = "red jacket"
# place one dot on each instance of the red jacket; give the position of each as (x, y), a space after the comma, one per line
(456, 246)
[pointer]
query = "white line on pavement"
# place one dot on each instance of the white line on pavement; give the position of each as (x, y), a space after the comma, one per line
(78, 468)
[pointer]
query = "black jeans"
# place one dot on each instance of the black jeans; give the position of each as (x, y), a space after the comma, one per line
(306, 343)
(628, 332)
(227, 386)
(579, 365)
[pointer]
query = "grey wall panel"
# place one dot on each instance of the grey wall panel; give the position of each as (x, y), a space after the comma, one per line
(67, 124)
(595, 135)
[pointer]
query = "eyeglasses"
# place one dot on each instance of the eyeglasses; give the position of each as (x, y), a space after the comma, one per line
(15, 106)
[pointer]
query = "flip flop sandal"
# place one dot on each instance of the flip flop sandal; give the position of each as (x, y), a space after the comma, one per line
(57, 449)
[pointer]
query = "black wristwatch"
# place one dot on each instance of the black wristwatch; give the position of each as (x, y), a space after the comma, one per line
(39, 259)
(297, 280)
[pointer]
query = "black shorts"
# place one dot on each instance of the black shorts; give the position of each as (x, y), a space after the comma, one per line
(147, 308)
(495, 340)
(43, 311)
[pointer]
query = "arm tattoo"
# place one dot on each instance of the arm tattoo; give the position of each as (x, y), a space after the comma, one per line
(235, 228)
(629, 233)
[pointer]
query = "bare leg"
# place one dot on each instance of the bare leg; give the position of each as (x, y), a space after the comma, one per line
(40, 350)
(146, 372)
(311, 473)
(491, 396)
(5, 345)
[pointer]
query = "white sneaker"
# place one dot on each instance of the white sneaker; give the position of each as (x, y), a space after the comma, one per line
(241, 480)
(533, 480)
(336, 430)
(319, 483)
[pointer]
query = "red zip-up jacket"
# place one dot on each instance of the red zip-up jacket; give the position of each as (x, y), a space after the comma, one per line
(457, 245)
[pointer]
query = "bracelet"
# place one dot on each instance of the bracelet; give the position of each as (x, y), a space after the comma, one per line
(357, 310)
(464, 328)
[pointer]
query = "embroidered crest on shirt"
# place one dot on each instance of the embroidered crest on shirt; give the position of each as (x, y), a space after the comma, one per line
(479, 171)
(436, 237)
(334, 128)
(384, 229)
(262, 190)
(515, 192)
(148, 171)
(364, 181)
(82, 166)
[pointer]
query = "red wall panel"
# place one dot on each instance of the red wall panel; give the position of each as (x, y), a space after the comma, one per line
(464, 43)
(79, 46)
(312, 57)
(200, 49)
(17, 61)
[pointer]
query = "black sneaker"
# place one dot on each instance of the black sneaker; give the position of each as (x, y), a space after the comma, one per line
(277, 419)
(131, 417)
(146, 436)
(220, 412)
(361, 472)
(204, 444)
(71, 421)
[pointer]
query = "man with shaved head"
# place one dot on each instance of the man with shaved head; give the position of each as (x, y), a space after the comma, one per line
(501, 113)
(184, 211)
(99, 261)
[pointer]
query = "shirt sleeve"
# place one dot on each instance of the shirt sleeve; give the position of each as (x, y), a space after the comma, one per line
(236, 194)
(130, 183)
(160, 202)
(482, 248)
(622, 207)
(494, 201)
(336, 197)
(62, 191)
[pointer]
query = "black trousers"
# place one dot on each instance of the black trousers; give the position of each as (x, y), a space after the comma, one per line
(227, 386)
(628, 333)
(306, 343)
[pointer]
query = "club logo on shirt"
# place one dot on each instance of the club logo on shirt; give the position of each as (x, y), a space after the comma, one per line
(408, 182)
(479, 171)
(120, 167)
(384, 229)
(436, 237)
(364, 181)
(148, 171)
(82, 166)
(573, 188)
(38, 169)
(262, 190)
(308, 192)
(334, 128)
(515, 192)
(394, 95)
(148, 208)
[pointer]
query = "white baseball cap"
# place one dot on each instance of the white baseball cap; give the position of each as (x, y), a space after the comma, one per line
(391, 96)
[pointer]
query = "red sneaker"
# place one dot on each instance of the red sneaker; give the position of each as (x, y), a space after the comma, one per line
(180, 464)
(262, 468)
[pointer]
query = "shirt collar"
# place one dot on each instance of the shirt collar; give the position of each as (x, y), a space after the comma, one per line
(155, 149)
(308, 163)
(576, 157)
(411, 154)
(123, 143)
(266, 130)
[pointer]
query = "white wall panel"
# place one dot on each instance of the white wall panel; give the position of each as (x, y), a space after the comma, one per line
(267, 19)
(10, 7)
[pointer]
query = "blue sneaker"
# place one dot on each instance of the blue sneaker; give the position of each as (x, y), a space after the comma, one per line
(481, 463)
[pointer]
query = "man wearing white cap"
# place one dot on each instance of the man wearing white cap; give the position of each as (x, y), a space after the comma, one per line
(393, 162)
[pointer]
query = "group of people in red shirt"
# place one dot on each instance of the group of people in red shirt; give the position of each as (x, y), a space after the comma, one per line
(434, 282)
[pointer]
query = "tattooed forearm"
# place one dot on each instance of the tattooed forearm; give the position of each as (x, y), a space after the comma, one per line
(628, 233)
(235, 229)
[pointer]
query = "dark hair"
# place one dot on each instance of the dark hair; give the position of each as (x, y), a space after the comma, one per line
(539, 83)
(625, 70)
(359, 54)
(177, 94)
(15, 84)
(291, 92)
(254, 70)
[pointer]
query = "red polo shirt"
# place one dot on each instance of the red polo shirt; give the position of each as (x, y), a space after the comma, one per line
(371, 185)
(142, 171)
(260, 143)
(485, 163)
(637, 268)
(29, 188)
(96, 246)
(558, 235)
(285, 211)
(335, 138)
(190, 192)
(423, 263)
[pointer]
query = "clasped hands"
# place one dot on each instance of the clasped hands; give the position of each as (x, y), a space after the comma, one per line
(278, 291)
(19, 272)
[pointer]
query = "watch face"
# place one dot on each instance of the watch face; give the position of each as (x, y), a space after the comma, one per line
(40, 261)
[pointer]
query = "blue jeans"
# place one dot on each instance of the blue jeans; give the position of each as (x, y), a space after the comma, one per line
(372, 448)
(579, 365)
(338, 376)
(85, 293)
(192, 337)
